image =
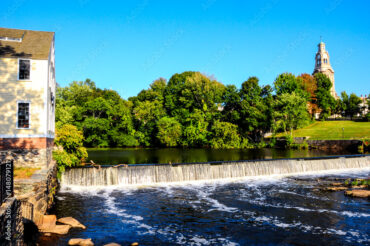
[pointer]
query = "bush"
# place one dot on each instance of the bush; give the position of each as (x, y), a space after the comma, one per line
(71, 151)
(367, 117)
(289, 141)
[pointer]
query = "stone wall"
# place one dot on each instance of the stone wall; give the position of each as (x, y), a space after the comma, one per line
(37, 194)
(11, 224)
(335, 144)
(28, 157)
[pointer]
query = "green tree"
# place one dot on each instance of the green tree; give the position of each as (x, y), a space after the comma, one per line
(71, 151)
(169, 131)
(224, 135)
(290, 112)
(353, 107)
(231, 100)
(288, 83)
(195, 132)
(188, 91)
(254, 111)
(325, 101)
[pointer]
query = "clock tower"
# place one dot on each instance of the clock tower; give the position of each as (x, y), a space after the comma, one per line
(322, 65)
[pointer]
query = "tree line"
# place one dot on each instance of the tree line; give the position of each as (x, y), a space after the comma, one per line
(194, 110)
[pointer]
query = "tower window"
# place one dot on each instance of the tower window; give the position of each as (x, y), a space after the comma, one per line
(23, 115)
(24, 69)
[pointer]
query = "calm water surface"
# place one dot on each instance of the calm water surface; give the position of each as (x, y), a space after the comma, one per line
(174, 155)
(263, 211)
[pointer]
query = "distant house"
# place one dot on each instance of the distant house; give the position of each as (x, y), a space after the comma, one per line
(363, 105)
(27, 95)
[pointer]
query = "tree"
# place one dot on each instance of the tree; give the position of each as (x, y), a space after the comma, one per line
(254, 113)
(224, 135)
(325, 100)
(290, 112)
(195, 131)
(288, 83)
(310, 86)
(353, 107)
(169, 131)
(231, 104)
(188, 91)
(71, 151)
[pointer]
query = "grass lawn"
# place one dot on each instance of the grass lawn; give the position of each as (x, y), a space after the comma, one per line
(24, 172)
(332, 130)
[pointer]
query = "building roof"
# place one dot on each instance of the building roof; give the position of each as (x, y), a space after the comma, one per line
(15, 43)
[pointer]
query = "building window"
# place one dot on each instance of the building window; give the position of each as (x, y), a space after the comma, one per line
(24, 69)
(23, 115)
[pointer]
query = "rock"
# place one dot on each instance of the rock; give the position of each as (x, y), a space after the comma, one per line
(47, 223)
(338, 188)
(58, 229)
(112, 244)
(72, 222)
(80, 242)
(336, 184)
(359, 186)
(358, 193)
(48, 234)
(135, 244)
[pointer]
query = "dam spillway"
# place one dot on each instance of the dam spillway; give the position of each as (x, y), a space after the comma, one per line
(149, 174)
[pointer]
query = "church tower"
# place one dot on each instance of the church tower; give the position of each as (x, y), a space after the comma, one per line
(322, 65)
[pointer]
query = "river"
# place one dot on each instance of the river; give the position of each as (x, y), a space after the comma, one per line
(259, 210)
(178, 155)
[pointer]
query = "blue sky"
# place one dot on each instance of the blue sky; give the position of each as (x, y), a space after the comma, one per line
(125, 45)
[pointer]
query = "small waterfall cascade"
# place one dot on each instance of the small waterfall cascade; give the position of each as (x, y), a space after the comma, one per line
(163, 173)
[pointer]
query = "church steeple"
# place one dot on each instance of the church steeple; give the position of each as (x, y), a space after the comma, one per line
(322, 65)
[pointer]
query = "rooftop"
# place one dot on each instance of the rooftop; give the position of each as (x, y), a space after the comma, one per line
(16, 43)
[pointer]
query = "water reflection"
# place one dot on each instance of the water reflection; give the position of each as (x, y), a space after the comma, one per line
(175, 155)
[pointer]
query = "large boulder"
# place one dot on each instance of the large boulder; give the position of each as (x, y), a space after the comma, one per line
(358, 193)
(59, 229)
(81, 242)
(72, 222)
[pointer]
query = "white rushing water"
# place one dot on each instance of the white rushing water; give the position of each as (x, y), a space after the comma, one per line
(157, 174)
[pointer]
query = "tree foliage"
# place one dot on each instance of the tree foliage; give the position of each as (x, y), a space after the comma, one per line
(194, 110)
(71, 151)
(225, 135)
(169, 131)
(325, 101)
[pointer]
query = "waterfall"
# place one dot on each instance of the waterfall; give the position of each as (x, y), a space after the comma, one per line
(163, 173)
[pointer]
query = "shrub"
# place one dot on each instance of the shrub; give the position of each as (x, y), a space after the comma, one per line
(71, 151)
(289, 141)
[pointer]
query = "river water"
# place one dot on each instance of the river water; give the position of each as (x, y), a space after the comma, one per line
(178, 155)
(270, 210)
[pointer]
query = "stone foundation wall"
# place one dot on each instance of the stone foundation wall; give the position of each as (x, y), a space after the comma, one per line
(11, 223)
(28, 157)
(38, 194)
(335, 144)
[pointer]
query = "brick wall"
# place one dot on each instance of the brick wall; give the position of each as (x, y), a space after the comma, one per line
(26, 143)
